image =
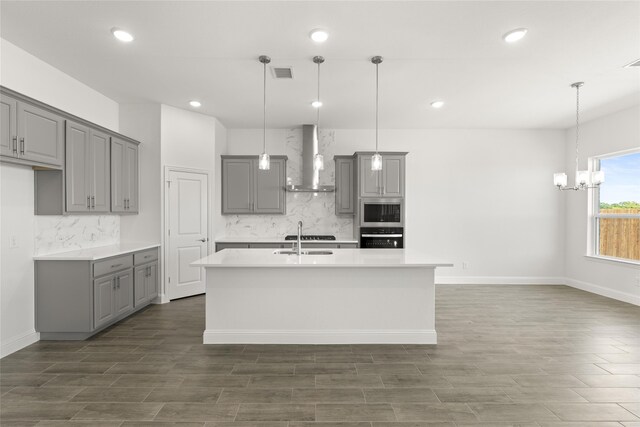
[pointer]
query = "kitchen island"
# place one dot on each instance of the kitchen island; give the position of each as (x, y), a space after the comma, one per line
(355, 296)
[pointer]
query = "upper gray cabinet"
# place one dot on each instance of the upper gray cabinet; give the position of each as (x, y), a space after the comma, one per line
(30, 134)
(249, 190)
(389, 182)
(87, 172)
(124, 176)
(345, 185)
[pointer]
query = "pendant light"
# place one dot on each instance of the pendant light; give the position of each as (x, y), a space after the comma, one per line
(318, 159)
(583, 179)
(376, 159)
(263, 160)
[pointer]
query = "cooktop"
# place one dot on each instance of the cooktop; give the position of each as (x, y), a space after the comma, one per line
(310, 237)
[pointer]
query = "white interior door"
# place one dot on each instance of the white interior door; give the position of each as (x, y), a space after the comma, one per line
(188, 232)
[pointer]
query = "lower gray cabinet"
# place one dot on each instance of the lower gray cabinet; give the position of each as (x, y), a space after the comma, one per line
(76, 299)
(146, 283)
(113, 297)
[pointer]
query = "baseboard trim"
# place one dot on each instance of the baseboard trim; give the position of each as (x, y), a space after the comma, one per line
(217, 336)
(19, 343)
(499, 280)
(605, 292)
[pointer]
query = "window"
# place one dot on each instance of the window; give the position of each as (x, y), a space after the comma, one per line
(616, 218)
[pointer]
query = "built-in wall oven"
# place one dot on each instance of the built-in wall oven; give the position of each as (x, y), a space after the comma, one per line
(382, 237)
(381, 212)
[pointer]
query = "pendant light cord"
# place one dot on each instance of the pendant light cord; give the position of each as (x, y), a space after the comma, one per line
(264, 112)
(577, 122)
(318, 99)
(377, 108)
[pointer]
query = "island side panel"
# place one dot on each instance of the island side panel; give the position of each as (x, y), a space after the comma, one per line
(320, 305)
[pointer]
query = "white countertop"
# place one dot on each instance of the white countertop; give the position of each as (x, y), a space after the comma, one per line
(242, 239)
(374, 258)
(92, 254)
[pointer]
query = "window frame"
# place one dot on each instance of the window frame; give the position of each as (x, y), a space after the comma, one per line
(593, 250)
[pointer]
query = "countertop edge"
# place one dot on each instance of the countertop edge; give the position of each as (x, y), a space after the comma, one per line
(321, 265)
(69, 255)
(279, 240)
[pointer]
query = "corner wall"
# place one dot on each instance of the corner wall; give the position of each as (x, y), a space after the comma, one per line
(615, 132)
(27, 74)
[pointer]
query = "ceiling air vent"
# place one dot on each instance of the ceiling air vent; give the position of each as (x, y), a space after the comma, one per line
(635, 63)
(282, 72)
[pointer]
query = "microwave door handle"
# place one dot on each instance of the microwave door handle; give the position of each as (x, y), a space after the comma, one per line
(382, 235)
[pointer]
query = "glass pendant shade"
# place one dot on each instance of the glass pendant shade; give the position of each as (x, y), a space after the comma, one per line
(318, 162)
(582, 178)
(597, 177)
(560, 179)
(264, 162)
(376, 162)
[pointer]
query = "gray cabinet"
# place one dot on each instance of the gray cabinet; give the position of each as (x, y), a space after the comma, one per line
(30, 135)
(8, 127)
(103, 300)
(146, 283)
(124, 176)
(76, 299)
(113, 297)
(389, 182)
(249, 190)
(87, 172)
(345, 185)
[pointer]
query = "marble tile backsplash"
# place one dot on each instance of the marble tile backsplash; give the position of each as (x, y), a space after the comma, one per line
(66, 233)
(315, 210)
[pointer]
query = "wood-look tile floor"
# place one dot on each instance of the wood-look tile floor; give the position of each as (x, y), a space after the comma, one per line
(507, 355)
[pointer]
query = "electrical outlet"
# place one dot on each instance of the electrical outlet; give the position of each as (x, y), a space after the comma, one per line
(13, 242)
(465, 265)
(638, 280)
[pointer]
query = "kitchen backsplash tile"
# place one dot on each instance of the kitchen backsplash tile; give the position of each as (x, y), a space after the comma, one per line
(65, 233)
(315, 210)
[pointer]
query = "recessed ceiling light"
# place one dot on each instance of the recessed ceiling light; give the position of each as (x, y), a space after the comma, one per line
(195, 104)
(121, 35)
(515, 35)
(319, 36)
(437, 104)
(316, 104)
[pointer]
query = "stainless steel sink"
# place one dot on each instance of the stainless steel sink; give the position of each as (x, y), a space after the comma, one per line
(303, 252)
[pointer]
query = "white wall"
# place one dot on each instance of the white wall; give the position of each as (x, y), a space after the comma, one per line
(188, 140)
(142, 122)
(476, 196)
(29, 75)
(615, 132)
(221, 148)
(16, 266)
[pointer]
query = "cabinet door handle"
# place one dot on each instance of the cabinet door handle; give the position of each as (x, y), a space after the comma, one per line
(15, 145)
(126, 203)
(149, 271)
(93, 202)
(88, 202)
(118, 282)
(116, 265)
(22, 145)
(114, 283)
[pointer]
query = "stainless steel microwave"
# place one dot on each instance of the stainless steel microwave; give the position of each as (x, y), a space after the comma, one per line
(382, 213)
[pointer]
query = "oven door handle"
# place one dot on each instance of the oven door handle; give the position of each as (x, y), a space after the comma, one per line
(382, 235)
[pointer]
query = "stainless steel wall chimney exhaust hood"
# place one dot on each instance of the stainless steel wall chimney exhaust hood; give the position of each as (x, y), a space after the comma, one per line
(310, 176)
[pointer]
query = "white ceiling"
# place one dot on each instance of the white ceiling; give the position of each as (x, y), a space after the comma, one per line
(453, 51)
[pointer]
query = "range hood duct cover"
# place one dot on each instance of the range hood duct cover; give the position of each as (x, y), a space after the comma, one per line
(310, 177)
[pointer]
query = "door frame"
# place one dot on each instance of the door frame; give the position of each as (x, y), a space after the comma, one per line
(163, 295)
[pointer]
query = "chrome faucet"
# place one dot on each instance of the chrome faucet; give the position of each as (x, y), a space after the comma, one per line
(299, 248)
